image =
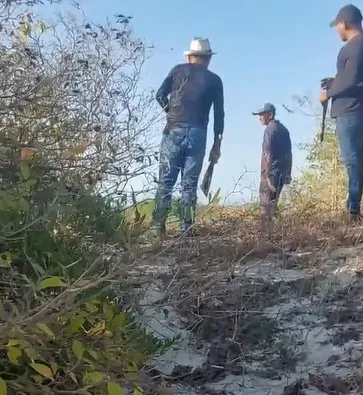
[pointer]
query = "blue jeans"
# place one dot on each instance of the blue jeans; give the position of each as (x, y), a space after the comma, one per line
(349, 129)
(182, 150)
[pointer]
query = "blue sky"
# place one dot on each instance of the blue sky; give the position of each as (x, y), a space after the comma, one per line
(267, 51)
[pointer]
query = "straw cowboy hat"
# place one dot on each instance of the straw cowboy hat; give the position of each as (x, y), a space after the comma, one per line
(199, 46)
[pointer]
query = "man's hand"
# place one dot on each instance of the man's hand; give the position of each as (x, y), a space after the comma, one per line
(271, 187)
(215, 152)
(323, 97)
(326, 83)
(288, 180)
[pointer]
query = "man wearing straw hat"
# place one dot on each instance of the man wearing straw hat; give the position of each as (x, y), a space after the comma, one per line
(186, 95)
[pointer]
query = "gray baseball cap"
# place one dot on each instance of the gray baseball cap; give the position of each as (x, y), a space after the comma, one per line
(268, 107)
(349, 14)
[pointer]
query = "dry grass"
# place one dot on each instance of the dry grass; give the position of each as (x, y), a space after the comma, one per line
(295, 227)
(229, 237)
(201, 286)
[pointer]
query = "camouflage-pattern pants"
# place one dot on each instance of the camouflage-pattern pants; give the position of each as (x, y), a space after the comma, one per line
(268, 198)
(182, 151)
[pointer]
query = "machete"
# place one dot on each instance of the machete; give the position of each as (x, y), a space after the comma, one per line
(207, 179)
(324, 84)
(323, 118)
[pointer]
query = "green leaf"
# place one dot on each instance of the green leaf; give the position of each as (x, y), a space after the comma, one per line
(25, 30)
(3, 387)
(73, 377)
(25, 171)
(4, 263)
(13, 342)
(52, 282)
(6, 259)
(94, 377)
(88, 362)
(120, 320)
(138, 391)
(217, 198)
(23, 204)
(78, 349)
(114, 389)
(23, 343)
(37, 378)
(54, 367)
(108, 311)
(140, 222)
(44, 370)
(93, 354)
(46, 330)
(14, 354)
(75, 323)
(31, 353)
(91, 307)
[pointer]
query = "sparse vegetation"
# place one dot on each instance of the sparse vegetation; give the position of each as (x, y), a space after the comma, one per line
(74, 133)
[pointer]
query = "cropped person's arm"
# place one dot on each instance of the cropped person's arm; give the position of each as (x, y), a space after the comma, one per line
(268, 151)
(346, 80)
(164, 91)
(218, 107)
(289, 158)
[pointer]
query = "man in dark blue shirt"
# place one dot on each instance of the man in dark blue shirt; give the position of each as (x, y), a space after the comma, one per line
(276, 160)
(346, 92)
(186, 95)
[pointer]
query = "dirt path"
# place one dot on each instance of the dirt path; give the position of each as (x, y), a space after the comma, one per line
(288, 324)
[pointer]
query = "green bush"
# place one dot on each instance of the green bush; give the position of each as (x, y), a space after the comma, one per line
(89, 350)
(71, 135)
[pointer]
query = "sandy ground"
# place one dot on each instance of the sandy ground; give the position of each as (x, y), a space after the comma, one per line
(273, 326)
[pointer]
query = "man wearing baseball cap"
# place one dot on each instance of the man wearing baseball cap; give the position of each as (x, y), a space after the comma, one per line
(346, 93)
(276, 160)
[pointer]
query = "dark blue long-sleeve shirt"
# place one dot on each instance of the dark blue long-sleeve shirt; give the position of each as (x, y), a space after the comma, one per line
(192, 89)
(346, 90)
(277, 145)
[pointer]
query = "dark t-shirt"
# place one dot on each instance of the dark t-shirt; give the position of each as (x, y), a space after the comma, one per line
(346, 90)
(192, 89)
(277, 144)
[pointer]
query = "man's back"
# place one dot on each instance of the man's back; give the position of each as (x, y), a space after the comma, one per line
(193, 89)
(347, 90)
